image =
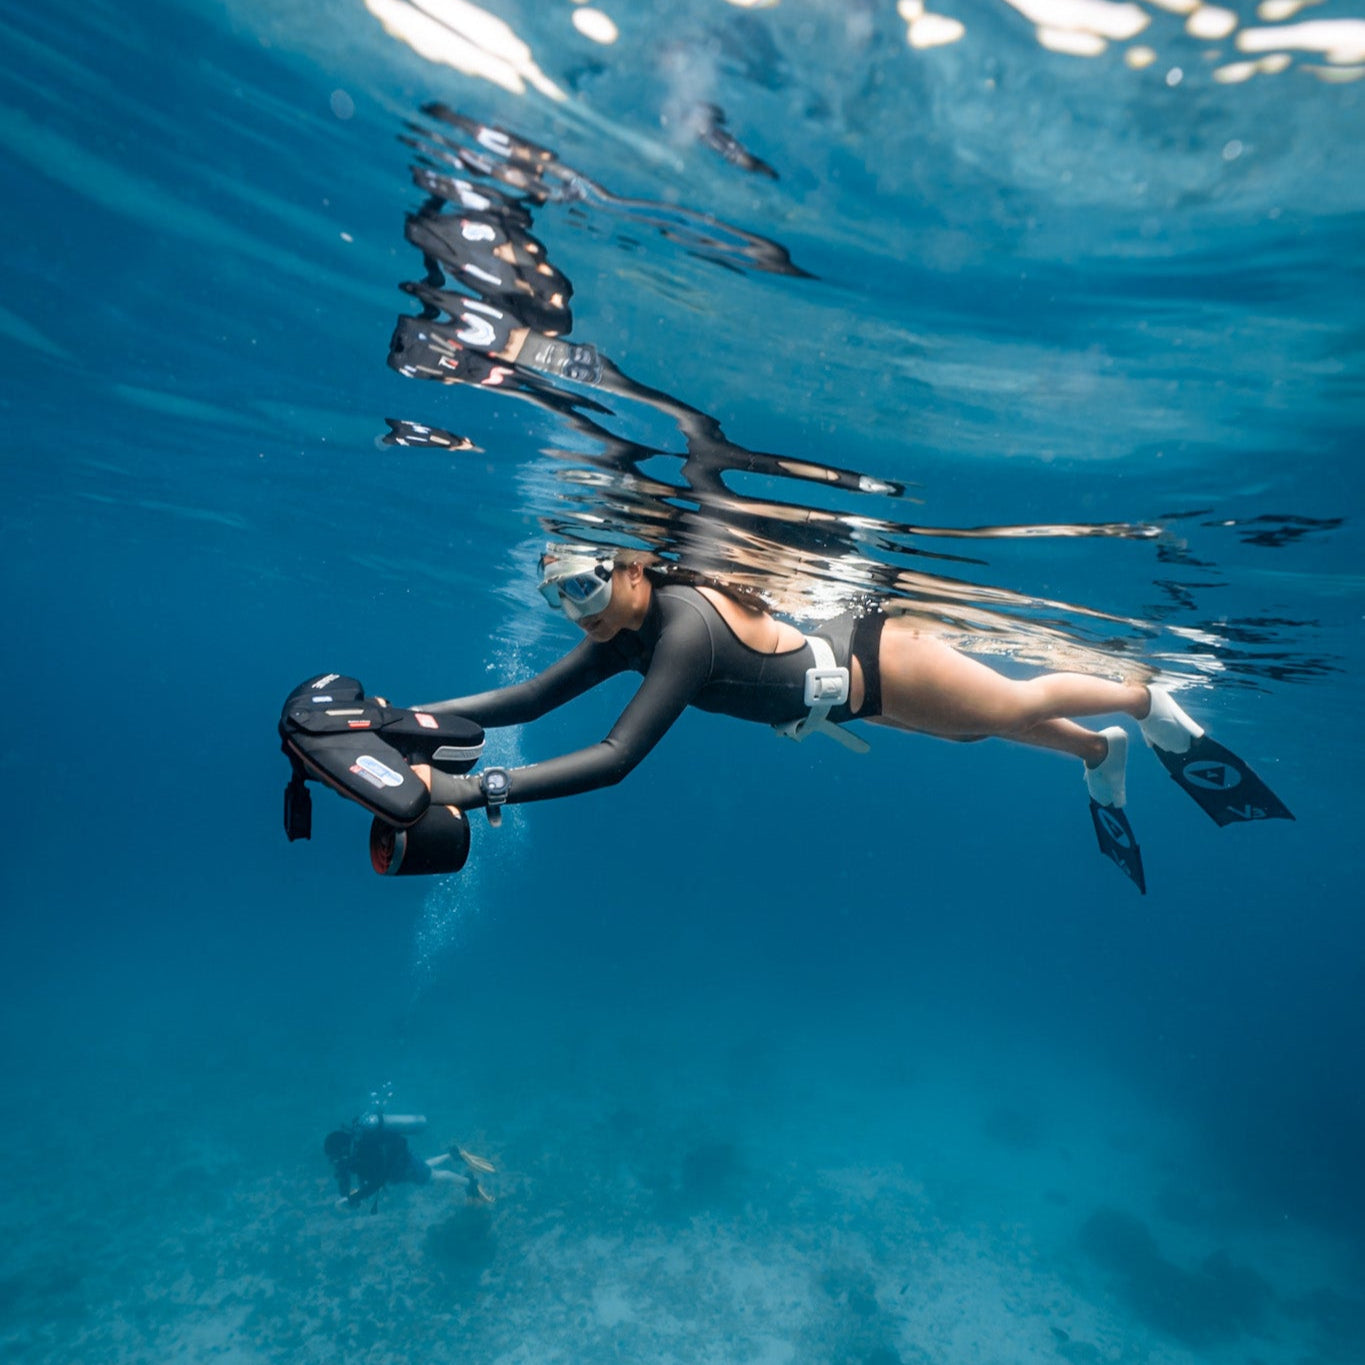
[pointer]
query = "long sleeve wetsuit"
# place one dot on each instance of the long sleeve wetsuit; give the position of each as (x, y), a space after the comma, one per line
(688, 655)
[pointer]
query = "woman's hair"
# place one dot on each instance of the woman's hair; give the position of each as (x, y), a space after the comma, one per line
(661, 574)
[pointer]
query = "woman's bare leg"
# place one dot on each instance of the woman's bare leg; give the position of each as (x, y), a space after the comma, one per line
(1065, 737)
(931, 687)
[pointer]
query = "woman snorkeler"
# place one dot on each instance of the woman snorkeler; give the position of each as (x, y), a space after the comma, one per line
(707, 647)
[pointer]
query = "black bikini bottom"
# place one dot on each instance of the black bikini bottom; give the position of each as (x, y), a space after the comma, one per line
(867, 649)
(858, 637)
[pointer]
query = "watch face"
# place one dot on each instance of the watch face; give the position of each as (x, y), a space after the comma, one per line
(496, 781)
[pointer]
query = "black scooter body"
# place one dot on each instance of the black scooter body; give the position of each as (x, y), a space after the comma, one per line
(333, 733)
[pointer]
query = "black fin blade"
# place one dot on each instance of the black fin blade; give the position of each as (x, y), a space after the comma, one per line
(1224, 785)
(1117, 842)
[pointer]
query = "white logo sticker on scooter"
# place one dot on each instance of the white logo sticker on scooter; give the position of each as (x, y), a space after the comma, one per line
(1113, 828)
(1212, 775)
(377, 774)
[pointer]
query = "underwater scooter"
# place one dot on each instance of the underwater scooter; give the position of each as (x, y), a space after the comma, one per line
(363, 749)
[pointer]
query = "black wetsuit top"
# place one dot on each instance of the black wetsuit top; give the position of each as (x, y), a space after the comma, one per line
(688, 655)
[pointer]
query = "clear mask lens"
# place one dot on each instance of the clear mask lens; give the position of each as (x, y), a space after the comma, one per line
(585, 593)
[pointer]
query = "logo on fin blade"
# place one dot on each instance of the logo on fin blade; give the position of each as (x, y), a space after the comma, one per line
(1211, 775)
(1114, 829)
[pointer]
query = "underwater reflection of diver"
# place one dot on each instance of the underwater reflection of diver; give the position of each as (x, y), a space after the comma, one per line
(402, 432)
(537, 175)
(495, 259)
(707, 122)
(363, 749)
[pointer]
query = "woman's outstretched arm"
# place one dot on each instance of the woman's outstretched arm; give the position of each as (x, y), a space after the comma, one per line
(580, 670)
(680, 666)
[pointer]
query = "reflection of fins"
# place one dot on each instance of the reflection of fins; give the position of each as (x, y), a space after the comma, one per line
(476, 1163)
(1117, 842)
(1224, 785)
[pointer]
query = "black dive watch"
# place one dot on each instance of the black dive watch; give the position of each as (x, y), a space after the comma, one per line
(495, 783)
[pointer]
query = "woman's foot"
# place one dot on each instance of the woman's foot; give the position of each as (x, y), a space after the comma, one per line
(1166, 726)
(1105, 781)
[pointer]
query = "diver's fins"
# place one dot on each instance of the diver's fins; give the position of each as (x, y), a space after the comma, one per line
(475, 1163)
(1223, 784)
(1106, 782)
(1106, 785)
(1117, 842)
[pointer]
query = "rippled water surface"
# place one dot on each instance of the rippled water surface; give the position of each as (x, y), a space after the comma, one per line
(1040, 322)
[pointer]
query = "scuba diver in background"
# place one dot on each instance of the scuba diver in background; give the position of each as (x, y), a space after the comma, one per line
(373, 1152)
(698, 644)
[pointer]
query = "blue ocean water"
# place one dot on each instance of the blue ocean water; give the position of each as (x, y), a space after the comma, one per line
(782, 1053)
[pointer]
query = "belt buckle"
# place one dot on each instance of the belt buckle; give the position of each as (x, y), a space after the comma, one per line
(826, 686)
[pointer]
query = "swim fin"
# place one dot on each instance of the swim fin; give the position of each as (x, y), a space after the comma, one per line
(475, 1163)
(1223, 784)
(1117, 842)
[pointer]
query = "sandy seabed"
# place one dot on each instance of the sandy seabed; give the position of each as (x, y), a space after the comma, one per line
(791, 1205)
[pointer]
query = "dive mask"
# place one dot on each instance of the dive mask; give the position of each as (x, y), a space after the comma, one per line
(579, 585)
